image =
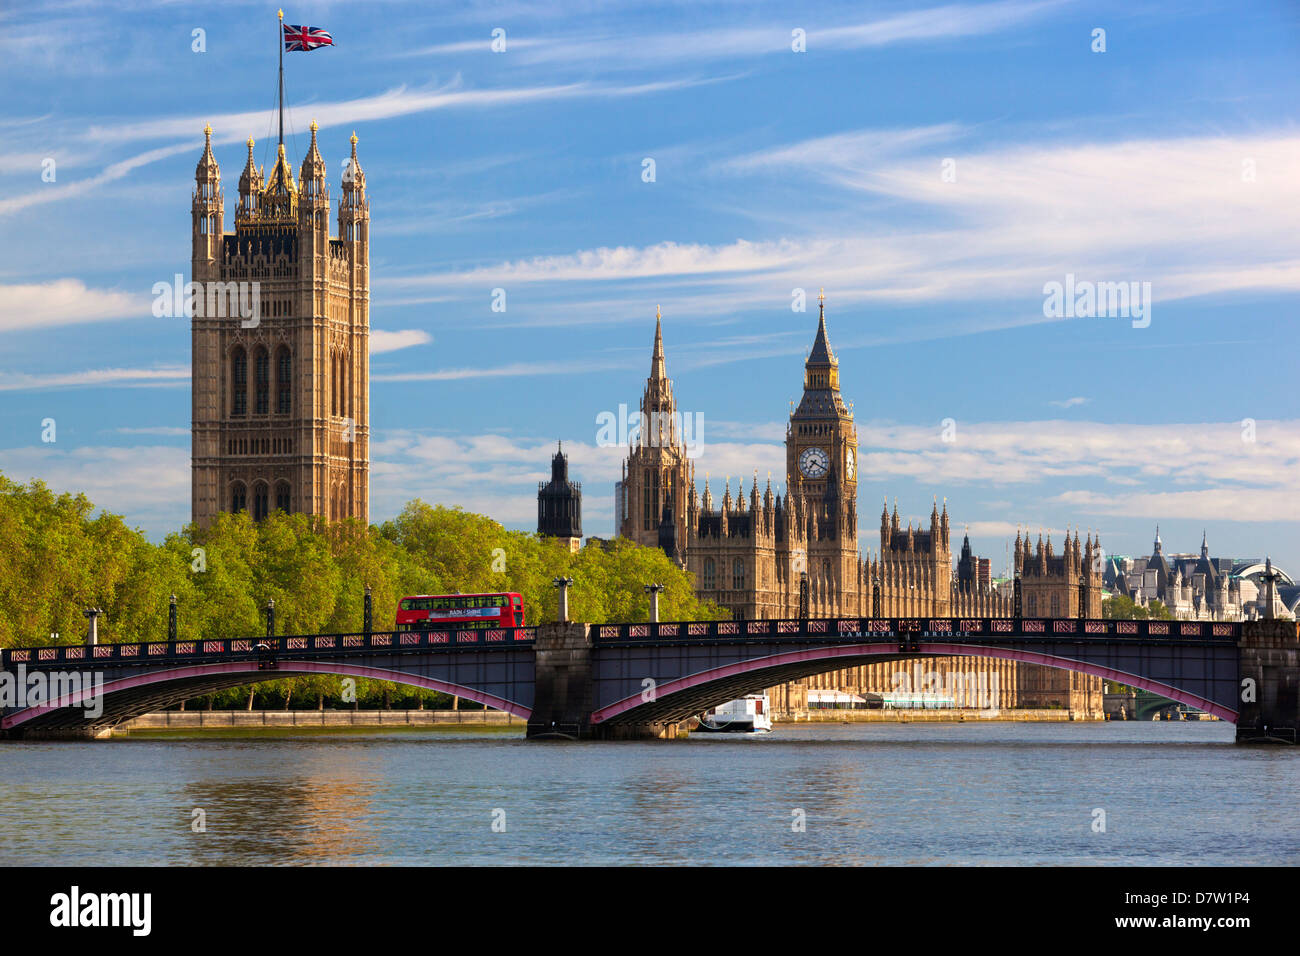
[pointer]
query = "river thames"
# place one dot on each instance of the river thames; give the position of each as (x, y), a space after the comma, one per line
(971, 793)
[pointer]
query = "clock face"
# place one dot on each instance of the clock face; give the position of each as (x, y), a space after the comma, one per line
(814, 462)
(850, 464)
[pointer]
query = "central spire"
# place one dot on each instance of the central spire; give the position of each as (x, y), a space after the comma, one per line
(821, 381)
(821, 350)
(658, 368)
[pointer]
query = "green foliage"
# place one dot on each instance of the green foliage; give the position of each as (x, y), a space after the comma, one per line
(1124, 608)
(58, 557)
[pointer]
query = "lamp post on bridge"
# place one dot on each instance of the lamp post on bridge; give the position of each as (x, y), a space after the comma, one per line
(366, 613)
(803, 595)
(653, 590)
(92, 629)
(875, 600)
(270, 618)
(1269, 577)
(562, 585)
(1018, 602)
(171, 619)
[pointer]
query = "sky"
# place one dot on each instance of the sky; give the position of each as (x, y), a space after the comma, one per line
(933, 168)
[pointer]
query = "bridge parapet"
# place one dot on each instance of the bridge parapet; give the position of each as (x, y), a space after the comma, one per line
(332, 645)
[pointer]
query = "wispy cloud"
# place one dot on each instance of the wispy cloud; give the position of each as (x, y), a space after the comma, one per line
(164, 375)
(622, 50)
(41, 305)
(382, 341)
(1013, 219)
(513, 370)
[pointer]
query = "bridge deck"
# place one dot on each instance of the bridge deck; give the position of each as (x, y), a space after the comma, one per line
(973, 631)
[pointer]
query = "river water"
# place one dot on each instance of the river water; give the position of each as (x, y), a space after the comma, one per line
(969, 793)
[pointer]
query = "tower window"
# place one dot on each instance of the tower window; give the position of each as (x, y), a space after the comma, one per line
(260, 502)
(262, 373)
(738, 574)
(238, 498)
(282, 497)
(650, 519)
(710, 574)
(334, 384)
(239, 382)
(283, 373)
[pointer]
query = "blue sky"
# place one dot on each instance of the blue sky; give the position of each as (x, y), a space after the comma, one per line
(932, 167)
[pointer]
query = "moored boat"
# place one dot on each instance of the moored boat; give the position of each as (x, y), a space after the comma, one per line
(750, 714)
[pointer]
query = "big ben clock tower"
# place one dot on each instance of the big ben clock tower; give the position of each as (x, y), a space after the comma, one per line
(821, 440)
(821, 449)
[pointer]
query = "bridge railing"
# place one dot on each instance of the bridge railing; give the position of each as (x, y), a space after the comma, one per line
(964, 629)
(244, 647)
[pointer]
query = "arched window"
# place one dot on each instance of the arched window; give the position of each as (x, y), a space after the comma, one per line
(345, 386)
(282, 500)
(738, 573)
(283, 381)
(238, 382)
(650, 501)
(261, 503)
(262, 380)
(1056, 605)
(1033, 605)
(238, 498)
(710, 575)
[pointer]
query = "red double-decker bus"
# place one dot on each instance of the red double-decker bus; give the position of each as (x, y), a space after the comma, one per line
(421, 612)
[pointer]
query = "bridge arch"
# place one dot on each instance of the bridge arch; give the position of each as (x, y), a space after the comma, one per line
(151, 690)
(679, 699)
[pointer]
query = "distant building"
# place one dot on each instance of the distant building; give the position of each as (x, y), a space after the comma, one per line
(1192, 587)
(559, 504)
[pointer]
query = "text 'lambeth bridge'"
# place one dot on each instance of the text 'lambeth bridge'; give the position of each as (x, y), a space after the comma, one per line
(579, 680)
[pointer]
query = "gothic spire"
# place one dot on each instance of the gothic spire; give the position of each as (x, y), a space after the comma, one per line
(821, 350)
(207, 168)
(658, 368)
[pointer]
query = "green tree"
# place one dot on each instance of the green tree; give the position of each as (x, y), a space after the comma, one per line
(58, 556)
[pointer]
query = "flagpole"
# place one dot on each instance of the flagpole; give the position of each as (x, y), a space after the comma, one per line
(280, 40)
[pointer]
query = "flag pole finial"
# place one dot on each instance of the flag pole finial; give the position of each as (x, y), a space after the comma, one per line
(280, 14)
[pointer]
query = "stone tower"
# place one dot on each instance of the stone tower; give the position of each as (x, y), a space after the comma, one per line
(280, 337)
(559, 504)
(821, 450)
(657, 470)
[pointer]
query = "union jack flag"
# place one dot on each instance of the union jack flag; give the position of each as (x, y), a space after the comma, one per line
(305, 38)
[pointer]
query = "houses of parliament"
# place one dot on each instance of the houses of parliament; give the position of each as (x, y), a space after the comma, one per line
(797, 554)
(280, 421)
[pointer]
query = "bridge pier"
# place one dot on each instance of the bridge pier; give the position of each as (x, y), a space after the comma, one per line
(563, 692)
(562, 700)
(1269, 710)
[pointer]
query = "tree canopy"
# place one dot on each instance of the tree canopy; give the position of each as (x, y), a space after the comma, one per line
(59, 556)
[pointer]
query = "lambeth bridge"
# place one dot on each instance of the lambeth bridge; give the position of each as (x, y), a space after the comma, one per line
(577, 680)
